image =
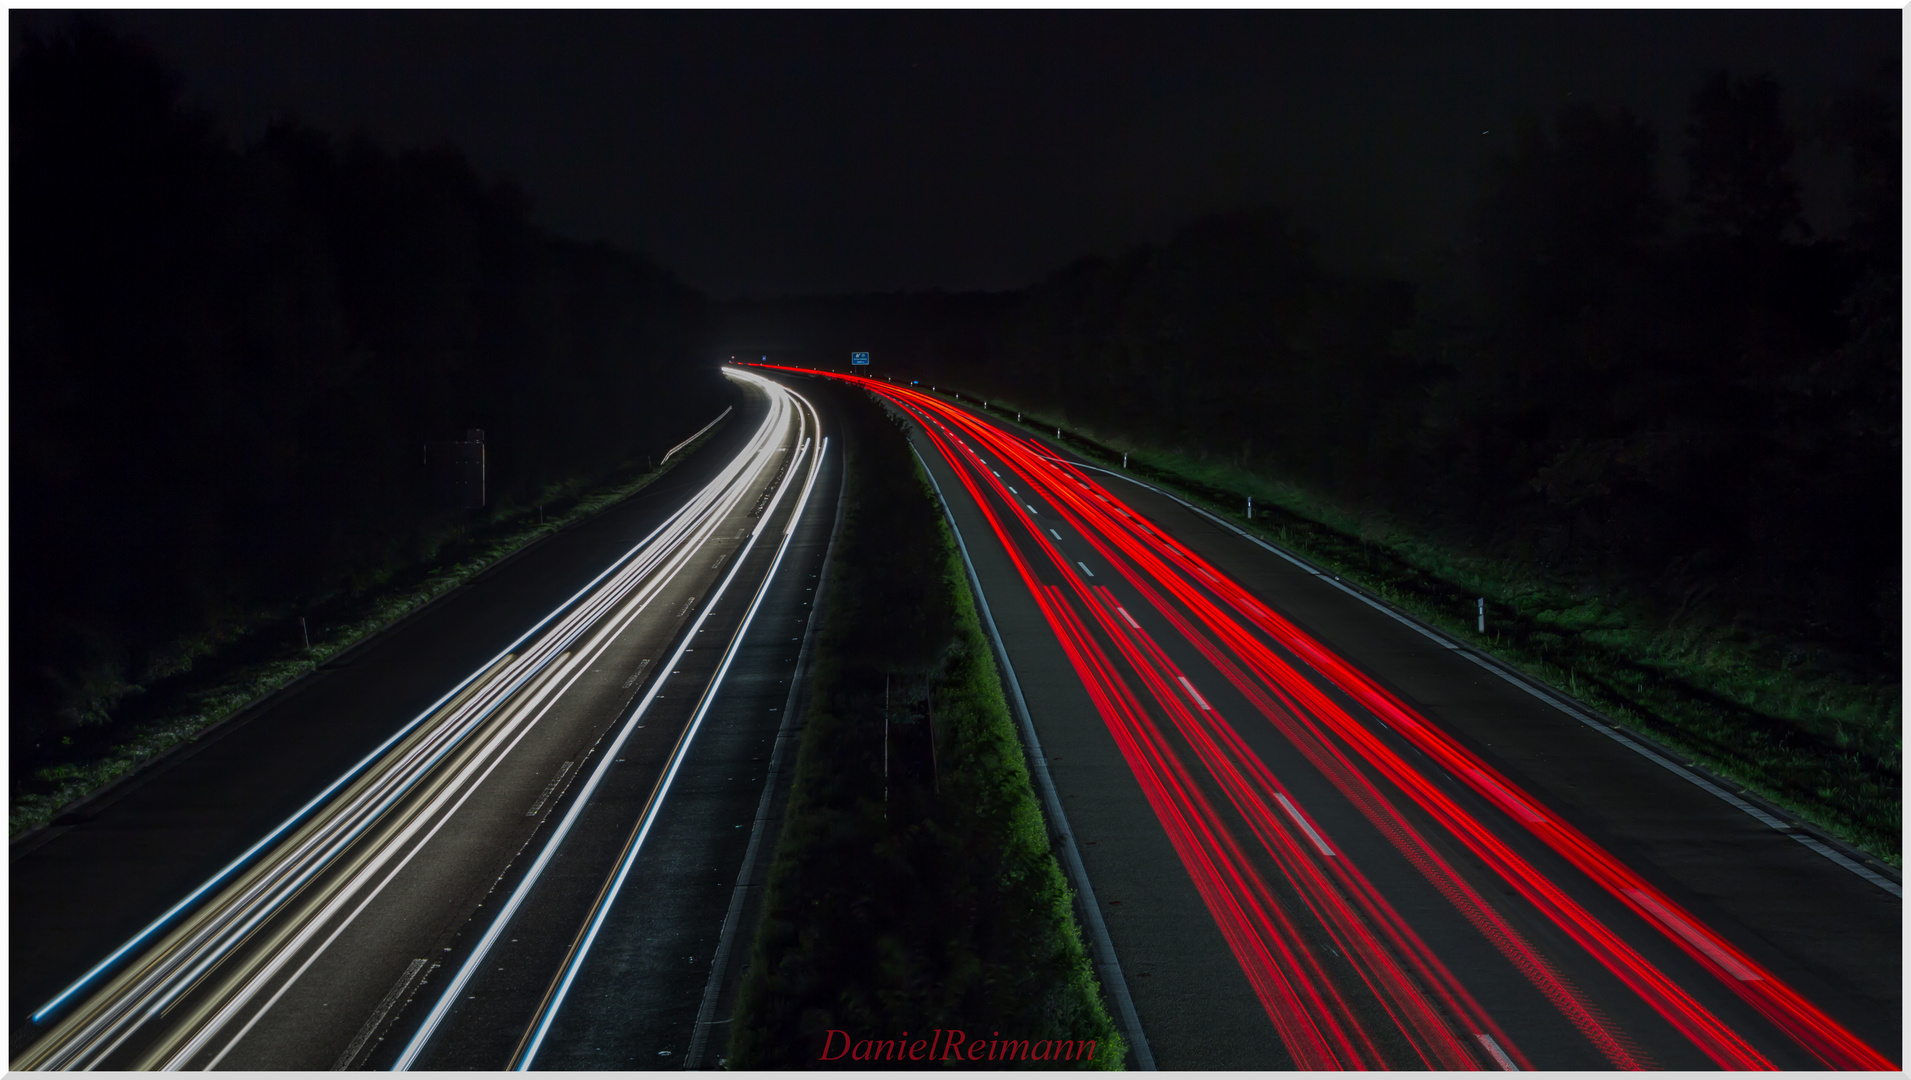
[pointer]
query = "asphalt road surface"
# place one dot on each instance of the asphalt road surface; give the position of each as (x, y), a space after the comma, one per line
(1323, 838)
(482, 841)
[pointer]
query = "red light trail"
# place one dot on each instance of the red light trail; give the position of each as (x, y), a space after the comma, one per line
(1279, 886)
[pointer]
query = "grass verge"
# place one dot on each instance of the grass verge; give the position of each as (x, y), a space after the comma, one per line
(913, 891)
(219, 680)
(1781, 723)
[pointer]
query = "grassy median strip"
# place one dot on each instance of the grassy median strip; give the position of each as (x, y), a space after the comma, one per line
(1820, 744)
(914, 905)
(215, 688)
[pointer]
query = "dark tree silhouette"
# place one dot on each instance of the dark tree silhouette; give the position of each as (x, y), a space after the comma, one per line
(1688, 400)
(1736, 158)
(225, 362)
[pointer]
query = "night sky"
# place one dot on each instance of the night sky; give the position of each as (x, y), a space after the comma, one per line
(758, 153)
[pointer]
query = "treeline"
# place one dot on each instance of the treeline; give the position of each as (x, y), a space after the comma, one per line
(1687, 400)
(225, 361)
(924, 331)
(913, 888)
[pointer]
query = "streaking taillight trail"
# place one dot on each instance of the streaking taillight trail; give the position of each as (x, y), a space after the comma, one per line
(1326, 1013)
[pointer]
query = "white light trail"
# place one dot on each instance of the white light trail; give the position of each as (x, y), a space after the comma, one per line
(436, 749)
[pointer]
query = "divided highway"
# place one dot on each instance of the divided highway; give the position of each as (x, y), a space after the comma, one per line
(495, 830)
(1377, 853)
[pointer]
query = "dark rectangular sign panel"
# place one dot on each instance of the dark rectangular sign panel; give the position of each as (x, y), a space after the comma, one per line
(457, 471)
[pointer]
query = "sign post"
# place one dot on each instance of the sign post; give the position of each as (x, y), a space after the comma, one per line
(457, 470)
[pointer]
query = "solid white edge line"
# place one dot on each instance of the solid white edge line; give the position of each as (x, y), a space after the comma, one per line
(1100, 943)
(540, 701)
(81, 1042)
(358, 769)
(578, 665)
(726, 936)
(535, 678)
(1544, 694)
(443, 1005)
(663, 792)
(575, 962)
(318, 800)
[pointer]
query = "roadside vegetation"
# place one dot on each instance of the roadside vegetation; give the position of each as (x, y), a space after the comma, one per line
(224, 677)
(913, 887)
(1659, 431)
(226, 358)
(1811, 737)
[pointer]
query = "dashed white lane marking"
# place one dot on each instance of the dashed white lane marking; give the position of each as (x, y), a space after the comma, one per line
(1130, 618)
(1499, 1055)
(1699, 941)
(1301, 821)
(1107, 963)
(562, 771)
(1055, 534)
(1598, 725)
(1031, 509)
(1193, 693)
(641, 665)
(1084, 567)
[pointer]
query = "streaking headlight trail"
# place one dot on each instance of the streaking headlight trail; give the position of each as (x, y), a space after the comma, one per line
(187, 988)
(808, 455)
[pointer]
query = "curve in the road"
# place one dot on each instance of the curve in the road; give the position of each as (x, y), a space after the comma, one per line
(1344, 978)
(805, 463)
(189, 986)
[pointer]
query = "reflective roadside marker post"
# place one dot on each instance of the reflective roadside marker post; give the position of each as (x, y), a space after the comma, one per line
(1250, 508)
(1124, 461)
(1482, 614)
